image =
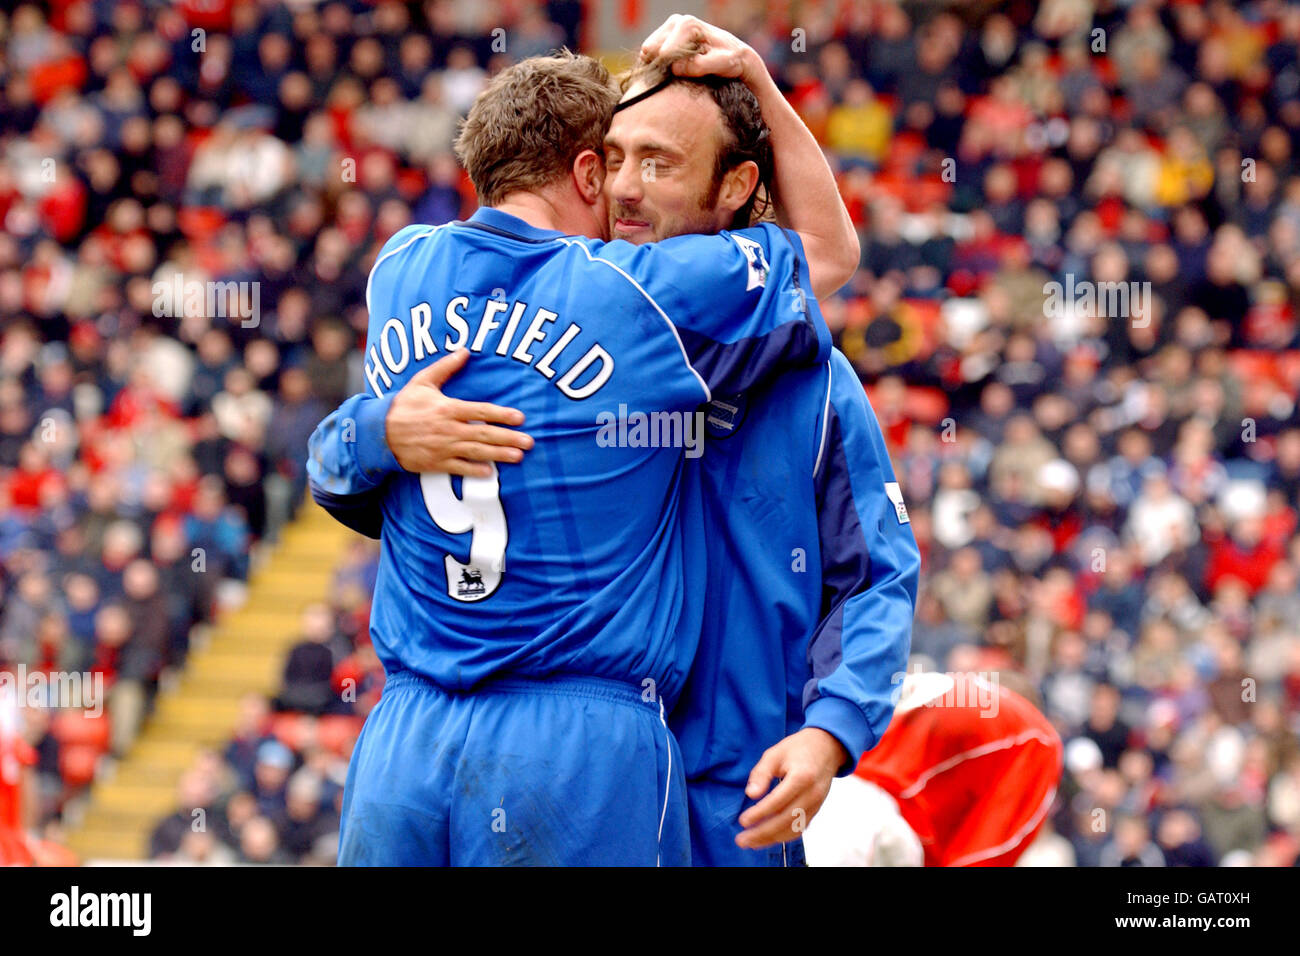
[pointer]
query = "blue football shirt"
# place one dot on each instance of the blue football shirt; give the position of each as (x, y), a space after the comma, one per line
(570, 562)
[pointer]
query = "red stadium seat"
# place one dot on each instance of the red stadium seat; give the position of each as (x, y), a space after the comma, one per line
(288, 729)
(924, 314)
(336, 731)
(73, 728)
(920, 403)
(83, 739)
(904, 151)
(1288, 366)
(200, 222)
(332, 731)
(1255, 364)
(77, 765)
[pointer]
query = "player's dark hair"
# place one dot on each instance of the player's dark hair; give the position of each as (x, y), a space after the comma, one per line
(746, 139)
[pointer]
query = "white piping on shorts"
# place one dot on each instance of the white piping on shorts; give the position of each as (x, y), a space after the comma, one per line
(667, 783)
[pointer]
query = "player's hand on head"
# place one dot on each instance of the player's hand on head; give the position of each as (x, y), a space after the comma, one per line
(698, 48)
(805, 763)
(429, 431)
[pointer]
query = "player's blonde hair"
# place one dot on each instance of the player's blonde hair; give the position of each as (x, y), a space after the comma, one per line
(531, 122)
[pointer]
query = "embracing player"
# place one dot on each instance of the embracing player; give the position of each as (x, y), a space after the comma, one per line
(801, 547)
(804, 549)
(522, 616)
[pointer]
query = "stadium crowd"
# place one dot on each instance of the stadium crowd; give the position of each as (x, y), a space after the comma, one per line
(1104, 490)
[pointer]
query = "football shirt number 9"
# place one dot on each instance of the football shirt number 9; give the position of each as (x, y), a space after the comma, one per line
(478, 511)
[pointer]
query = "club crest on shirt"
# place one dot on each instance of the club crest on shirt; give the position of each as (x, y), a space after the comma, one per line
(725, 415)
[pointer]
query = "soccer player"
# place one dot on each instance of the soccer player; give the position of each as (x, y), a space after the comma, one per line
(17, 787)
(534, 622)
(802, 547)
(964, 776)
(15, 756)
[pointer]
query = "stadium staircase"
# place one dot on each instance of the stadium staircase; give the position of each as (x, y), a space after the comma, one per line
(244, 653)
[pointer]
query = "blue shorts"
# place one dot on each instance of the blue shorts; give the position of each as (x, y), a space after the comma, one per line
(559, 772)
(715, 810)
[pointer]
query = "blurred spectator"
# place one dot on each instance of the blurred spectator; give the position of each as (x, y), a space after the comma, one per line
(1160, 521)
(306, 821)
(196, 796)
(1131, 845)
(1179, 839)
(309, 668)
(1104, 726)
(270, 774)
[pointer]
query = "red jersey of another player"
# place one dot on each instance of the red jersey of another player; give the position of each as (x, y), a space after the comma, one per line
(14, 755)
(973, 766)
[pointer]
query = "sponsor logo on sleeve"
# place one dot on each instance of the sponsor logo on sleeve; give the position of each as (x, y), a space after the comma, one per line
(895, 494)
(758, 267)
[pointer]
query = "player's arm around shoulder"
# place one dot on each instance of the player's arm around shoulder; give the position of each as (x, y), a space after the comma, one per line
(346, 453)
(725, 285)
(807, 194)
(737, 302)
(416, 429)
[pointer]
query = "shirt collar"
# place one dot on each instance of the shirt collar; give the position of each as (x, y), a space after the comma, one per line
(512, 224)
